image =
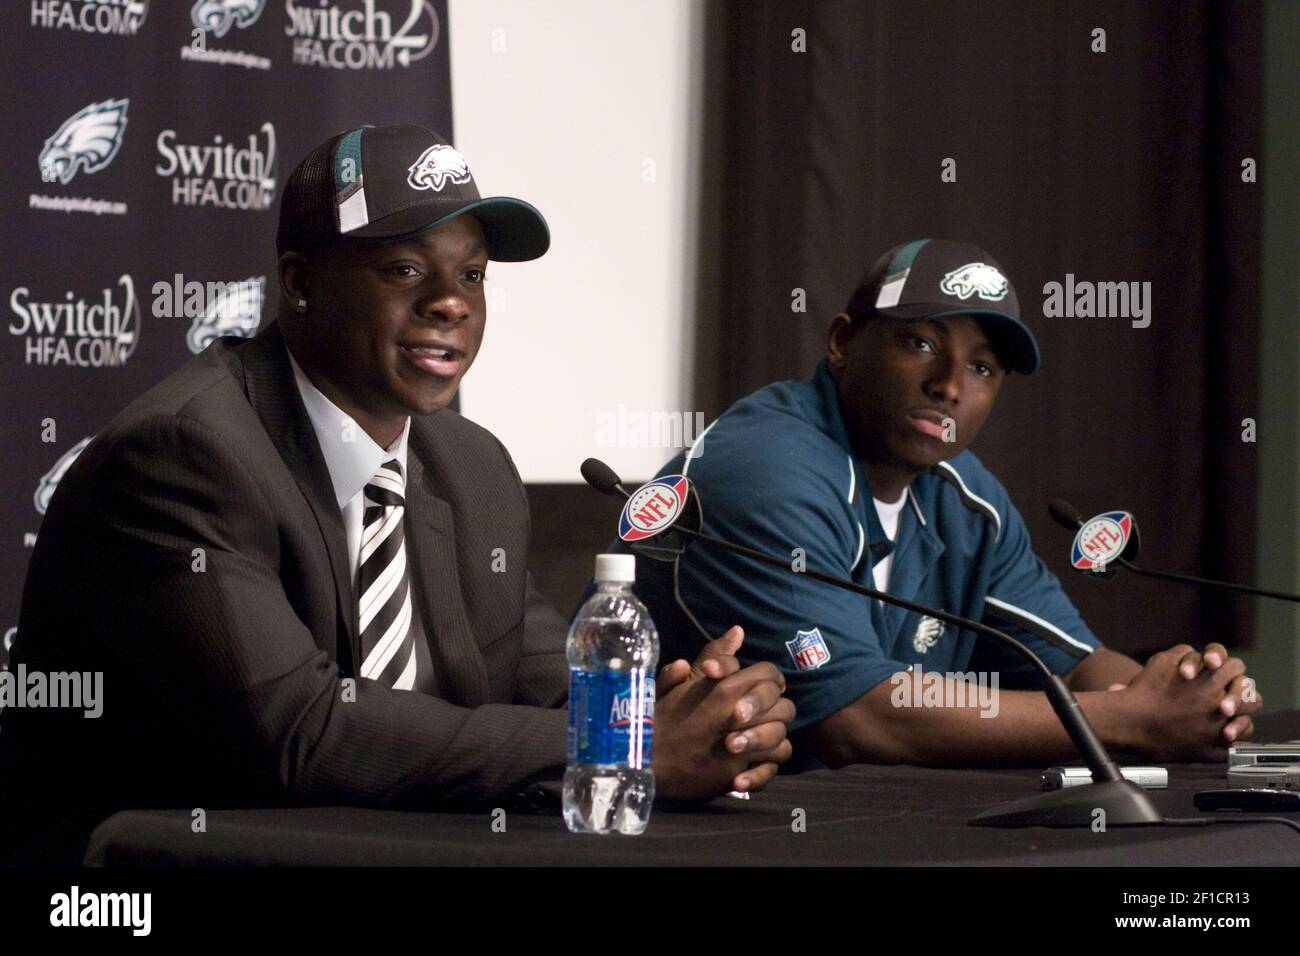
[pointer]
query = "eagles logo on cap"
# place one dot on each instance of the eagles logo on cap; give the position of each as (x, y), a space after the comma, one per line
(975, 278)
(934, 278)
(437, 165)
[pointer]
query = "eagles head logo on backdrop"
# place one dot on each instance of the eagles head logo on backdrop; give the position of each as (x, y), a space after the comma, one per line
(86, 142)
(218, 16)
(236, 311)
(50, 480)
(436, 166)
(976, 278)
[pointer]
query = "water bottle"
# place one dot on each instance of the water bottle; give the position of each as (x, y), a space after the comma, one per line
(613, 648)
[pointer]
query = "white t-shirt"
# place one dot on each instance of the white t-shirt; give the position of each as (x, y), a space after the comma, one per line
(889, 521)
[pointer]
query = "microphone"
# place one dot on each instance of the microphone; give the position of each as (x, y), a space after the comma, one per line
(1068, 517)
(1124, 802)
(603, 478)
(1066, 514)
(654, 539)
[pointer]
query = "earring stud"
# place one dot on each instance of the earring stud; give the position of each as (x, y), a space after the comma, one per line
(302, 304)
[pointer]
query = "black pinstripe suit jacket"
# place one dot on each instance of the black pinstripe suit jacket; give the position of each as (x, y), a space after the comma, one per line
(195, 554)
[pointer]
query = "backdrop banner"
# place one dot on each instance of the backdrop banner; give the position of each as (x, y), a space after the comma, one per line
(148, 144)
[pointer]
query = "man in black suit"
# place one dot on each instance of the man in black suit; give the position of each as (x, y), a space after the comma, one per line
(303, 577)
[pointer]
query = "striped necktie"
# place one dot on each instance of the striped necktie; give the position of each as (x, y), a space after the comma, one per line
(387, 642)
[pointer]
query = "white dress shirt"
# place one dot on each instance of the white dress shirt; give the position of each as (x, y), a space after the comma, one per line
(351, 456)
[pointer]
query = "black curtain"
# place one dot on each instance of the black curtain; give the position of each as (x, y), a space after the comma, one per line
(1123, 165)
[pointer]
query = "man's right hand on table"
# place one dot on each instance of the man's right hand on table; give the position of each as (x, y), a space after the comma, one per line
(1190, 706)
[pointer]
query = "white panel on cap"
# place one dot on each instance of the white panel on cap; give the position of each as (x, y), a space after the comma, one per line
(892, 290)
(353, 213)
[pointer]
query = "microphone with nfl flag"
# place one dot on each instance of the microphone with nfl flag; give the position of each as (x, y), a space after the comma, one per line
(1103, 539)
(652, 508)
(656, 515)
(1111, 538)
(656, 508)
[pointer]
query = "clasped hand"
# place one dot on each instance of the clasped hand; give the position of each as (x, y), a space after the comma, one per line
(719, 726)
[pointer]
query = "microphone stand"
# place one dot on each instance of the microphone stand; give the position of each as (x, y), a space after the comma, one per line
(1208, 582)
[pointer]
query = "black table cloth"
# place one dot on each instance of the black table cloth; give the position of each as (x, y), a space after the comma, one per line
(857, 815)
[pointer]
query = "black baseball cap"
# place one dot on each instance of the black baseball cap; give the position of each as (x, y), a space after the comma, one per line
(931, 278)
(389, 182)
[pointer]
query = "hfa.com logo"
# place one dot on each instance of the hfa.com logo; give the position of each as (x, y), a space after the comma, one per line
(352, 35)
(122, 17)
(220, 174)
(88, 333)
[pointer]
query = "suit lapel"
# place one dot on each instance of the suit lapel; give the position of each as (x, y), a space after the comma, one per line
(457, 662)
(268, 381)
